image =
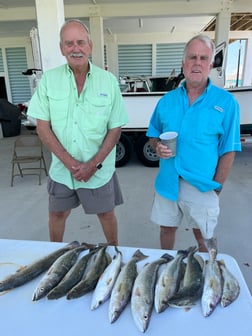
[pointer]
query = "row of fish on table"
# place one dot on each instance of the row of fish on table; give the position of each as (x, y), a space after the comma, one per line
(167, 281)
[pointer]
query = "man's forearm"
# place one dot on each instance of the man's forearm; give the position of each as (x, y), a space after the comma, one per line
(153, 142)
(108, 144)
(52, 143)
(224, 166)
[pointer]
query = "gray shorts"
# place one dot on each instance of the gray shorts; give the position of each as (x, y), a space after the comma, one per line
(194, 209)
(93, 201)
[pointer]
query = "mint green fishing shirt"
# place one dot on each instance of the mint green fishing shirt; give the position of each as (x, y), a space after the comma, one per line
(80, 122)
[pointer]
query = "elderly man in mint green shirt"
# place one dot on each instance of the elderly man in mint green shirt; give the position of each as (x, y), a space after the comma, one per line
(80, 111)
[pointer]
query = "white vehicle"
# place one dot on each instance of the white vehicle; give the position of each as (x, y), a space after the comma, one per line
(140, 102)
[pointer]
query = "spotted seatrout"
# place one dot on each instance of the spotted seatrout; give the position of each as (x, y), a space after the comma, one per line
(106, 281)
(31, 271)
(192, 283)
(231, 287)
(121, 291)
(72, 277)
(142, 297)
(212, 289)
(168, 281)
(56, 272)
(90, 279)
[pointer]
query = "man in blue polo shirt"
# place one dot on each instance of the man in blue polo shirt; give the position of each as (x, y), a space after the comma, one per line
(207, 120)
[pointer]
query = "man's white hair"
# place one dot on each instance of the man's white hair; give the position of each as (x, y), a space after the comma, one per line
(205, 39)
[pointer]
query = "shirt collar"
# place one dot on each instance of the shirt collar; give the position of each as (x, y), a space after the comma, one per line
(70, 71)
(208, 87)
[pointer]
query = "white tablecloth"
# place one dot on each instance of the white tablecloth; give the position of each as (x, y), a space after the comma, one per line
(19, 315)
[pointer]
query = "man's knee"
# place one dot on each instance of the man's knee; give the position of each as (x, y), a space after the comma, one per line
(110, 215)
(59, 215)
(168, 229)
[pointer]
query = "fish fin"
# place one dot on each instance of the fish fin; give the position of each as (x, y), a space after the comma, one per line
(21, 268)
(211, 244)
(221, 262)
(139, 255)
(137, 292)
(168, 257)
(108, 281)
(73, 244)
(102, 244)
(117, 250)
(88, 245)
(211, 283)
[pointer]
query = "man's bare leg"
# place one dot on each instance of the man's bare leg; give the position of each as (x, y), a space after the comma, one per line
(109, 225)
(200, 240)
(57, 222)
(167, 237)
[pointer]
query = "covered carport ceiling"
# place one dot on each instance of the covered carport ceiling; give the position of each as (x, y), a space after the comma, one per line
(239, 22)
(127, 22)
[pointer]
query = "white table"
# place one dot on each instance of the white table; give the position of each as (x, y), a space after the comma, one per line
(21, 316)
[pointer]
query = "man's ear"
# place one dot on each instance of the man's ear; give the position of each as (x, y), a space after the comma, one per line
(61, 49)
(91, 45)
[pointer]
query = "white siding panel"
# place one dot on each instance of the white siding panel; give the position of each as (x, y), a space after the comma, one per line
(19, 84)
(1, 61)
(135, 60)
(169, 58)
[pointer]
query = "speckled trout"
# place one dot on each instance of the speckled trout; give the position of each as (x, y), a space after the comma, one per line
(56, 272)
(121, 291)
(72, 277)
(192, 282)
(168, 281)
(31, 271)
(231, 287)
(90, 279)
(142, 297)
(212, 289)
(106, 281)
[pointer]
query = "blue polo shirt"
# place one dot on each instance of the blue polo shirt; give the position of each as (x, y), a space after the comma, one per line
(207, 129)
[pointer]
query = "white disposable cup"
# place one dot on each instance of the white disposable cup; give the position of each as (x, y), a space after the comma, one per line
(169, 139)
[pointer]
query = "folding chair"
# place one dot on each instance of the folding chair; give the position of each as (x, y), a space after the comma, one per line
(28, 150)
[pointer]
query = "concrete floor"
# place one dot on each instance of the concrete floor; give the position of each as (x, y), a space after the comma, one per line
(24, 209)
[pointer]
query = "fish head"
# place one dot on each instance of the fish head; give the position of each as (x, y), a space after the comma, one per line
(208, 309)
(113, 316)
(142, 318)
(38, 293)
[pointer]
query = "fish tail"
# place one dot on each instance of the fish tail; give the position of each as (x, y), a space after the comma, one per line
(139, 255)
(168, 257)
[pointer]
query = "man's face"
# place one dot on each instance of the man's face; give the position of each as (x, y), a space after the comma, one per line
(198, 63)
(75, 45)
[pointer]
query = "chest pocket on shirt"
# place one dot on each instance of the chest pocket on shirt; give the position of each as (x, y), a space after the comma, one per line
(96, 114)
(209, 126)
(58, 102)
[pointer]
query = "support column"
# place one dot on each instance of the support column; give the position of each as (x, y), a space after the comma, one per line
(96, 32)
(222, 28)
(247, 69)
(50, 18)
(112, 54)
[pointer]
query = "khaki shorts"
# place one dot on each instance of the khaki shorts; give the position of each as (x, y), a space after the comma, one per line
(93, 201)
(194, 209)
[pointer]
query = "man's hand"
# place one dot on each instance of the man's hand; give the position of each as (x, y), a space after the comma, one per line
(163, 151)
(83, 171)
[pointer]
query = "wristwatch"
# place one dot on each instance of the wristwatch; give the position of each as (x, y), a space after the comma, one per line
(99, 165)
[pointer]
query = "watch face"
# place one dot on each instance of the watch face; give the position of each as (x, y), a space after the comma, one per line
(99, 166)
